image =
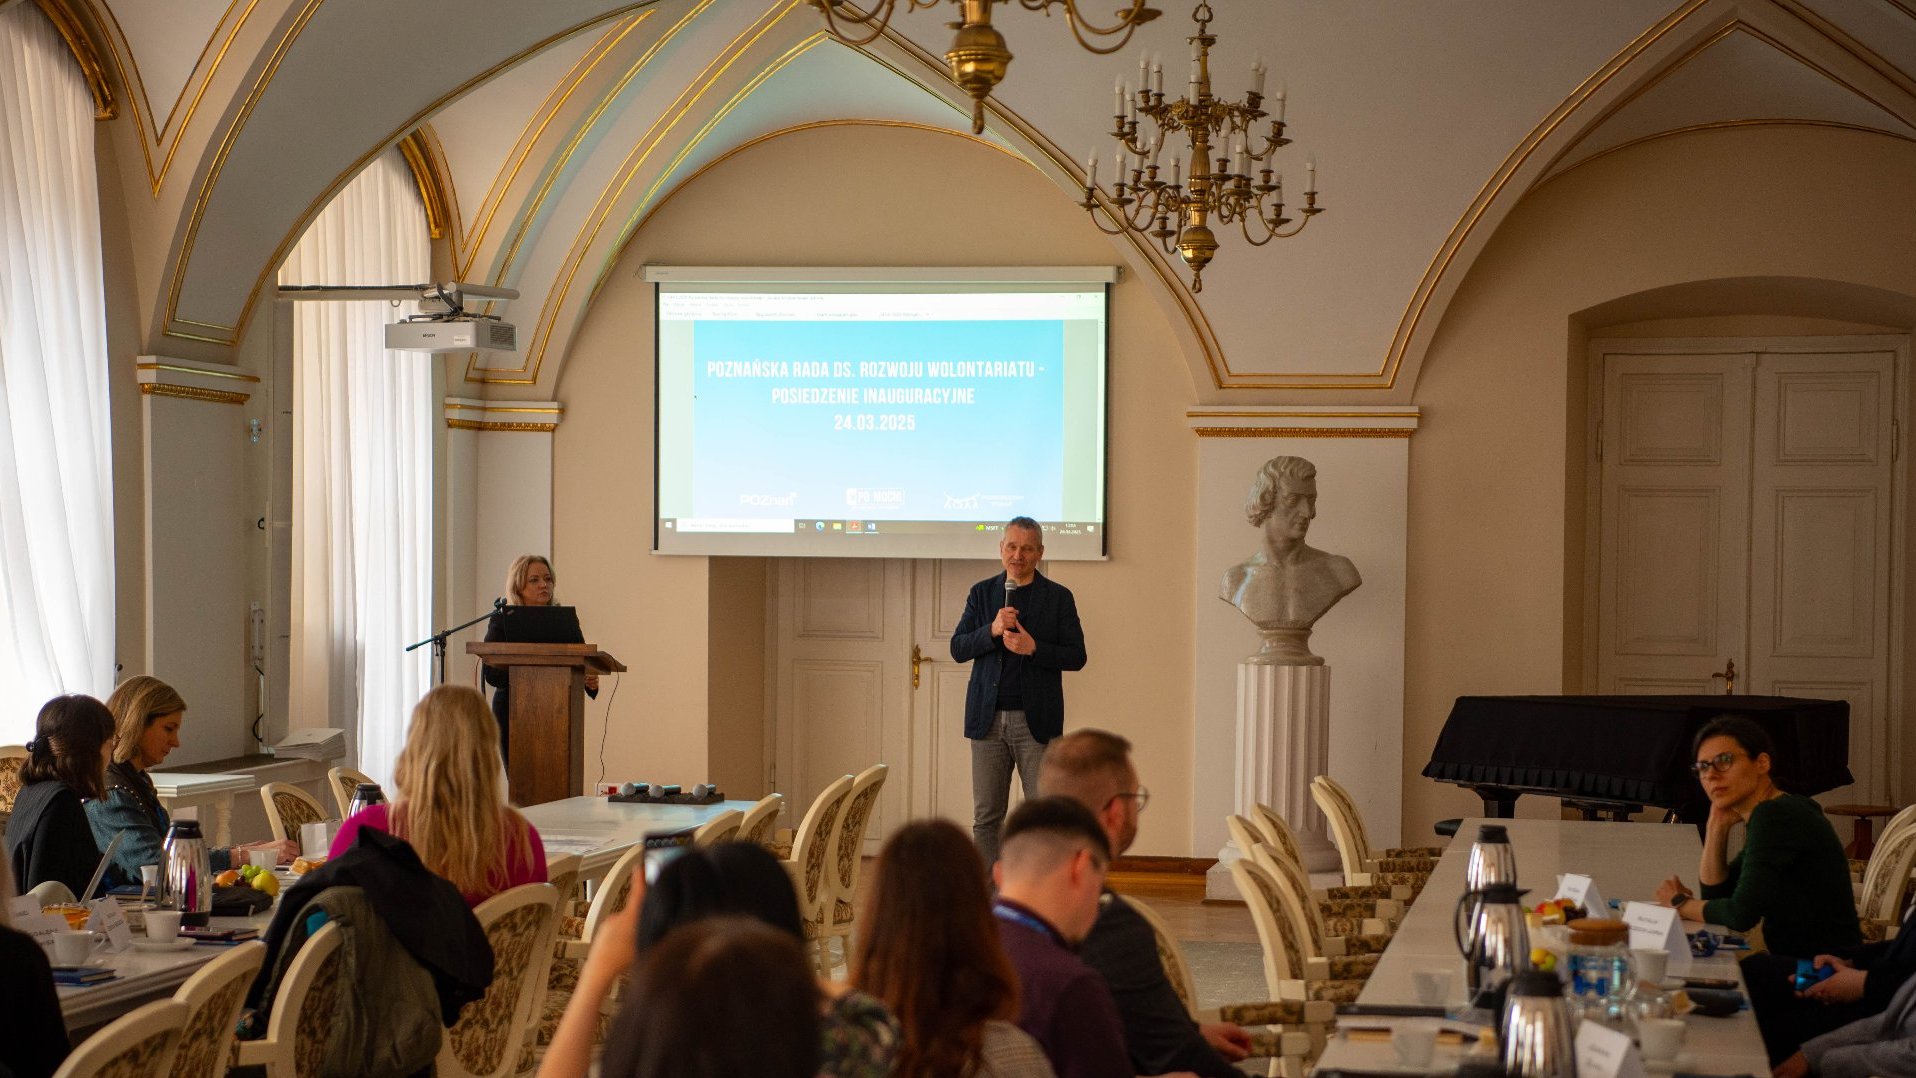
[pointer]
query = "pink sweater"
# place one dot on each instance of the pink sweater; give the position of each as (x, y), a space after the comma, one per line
(517, 870)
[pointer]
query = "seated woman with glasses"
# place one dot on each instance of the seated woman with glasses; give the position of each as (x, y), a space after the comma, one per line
(1792, 874)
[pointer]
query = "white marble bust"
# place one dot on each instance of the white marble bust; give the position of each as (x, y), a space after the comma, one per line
(1287, 585)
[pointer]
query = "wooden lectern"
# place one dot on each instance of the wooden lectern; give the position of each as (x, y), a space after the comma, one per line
(547, 683)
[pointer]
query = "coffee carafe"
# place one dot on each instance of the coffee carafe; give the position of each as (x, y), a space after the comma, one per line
(365, 793)
(1538, 1032)
(187, 882)
(1490, 932)
(1491, 859)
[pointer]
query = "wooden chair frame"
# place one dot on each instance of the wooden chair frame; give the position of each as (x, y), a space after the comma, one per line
(721, 828)
(311, 982)
(153, 1030)
(533, 952)
(344, 782)
(813, 847)
(270, 794)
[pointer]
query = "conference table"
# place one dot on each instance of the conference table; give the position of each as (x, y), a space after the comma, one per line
(599, 829)
(1625, 860)
(596, 829)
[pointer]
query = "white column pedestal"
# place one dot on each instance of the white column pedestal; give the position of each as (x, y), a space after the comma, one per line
(1283, 741)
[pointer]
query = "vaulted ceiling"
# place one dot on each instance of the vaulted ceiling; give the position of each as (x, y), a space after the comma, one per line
(547, 132)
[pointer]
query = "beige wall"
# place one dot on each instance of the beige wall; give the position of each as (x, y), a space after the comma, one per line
(859, 196)
(1497, 472)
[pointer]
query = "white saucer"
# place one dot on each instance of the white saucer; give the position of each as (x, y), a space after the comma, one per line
(177, 943)
(1670, 984)
(1681, 1062)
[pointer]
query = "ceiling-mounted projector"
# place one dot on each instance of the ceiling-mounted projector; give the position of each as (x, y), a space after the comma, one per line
(453, 333)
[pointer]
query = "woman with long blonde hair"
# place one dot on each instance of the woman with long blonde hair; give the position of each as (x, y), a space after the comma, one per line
(450, 801)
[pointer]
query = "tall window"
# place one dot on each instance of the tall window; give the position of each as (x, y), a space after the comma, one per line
(362, 466)
(56, 490)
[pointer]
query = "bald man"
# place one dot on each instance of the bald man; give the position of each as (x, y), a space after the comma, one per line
(1093, 768)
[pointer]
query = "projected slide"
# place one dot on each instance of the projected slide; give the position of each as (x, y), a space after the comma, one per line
(870, 424)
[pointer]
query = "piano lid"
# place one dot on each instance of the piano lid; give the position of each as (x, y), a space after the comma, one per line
(1629, 748)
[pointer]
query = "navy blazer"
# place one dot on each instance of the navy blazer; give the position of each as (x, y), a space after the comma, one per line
(1049, 613)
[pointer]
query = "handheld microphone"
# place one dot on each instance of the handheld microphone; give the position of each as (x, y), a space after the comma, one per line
(1011, 592)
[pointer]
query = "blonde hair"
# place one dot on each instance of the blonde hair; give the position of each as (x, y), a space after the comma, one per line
(135, 704)
(451, 802)
(521, 570)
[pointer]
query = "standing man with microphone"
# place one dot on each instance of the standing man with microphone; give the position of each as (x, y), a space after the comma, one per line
(1020, 632)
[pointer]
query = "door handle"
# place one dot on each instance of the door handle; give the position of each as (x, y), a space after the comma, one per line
(918, 658)
(1728, 674)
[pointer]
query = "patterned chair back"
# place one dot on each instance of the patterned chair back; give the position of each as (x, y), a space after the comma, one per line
(487, 1040)
(761, 820)
(812, 850)
(850, 844)
(1891, 829)
(1276, 831)
(287, 808)
(12, 757)
(1283, 949)
(721, 828)
(344, 783)
(1176, 969)
(1886, 882)
(139, 1044)
(1347, 831)
(614, 891)
(303, 1011)
(213, 997)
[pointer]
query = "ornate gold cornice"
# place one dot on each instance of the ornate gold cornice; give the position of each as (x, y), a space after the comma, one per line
(192, 393)
(481, 424)
(1302, 432)
(72, 31)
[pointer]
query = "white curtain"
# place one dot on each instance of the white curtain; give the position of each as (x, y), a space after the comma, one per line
(362, 524)
(56, 483)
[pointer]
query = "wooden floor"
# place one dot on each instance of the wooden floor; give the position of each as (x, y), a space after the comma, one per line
(1180, 899)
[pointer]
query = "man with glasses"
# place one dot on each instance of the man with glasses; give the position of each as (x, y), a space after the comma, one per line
(1093, 768)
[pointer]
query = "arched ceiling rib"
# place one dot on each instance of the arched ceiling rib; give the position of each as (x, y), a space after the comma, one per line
(578, 115)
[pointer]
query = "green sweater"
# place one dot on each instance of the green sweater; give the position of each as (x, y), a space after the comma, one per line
(1794, 877)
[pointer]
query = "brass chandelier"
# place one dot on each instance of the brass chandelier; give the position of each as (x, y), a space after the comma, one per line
(1226, 187)
(978, 57)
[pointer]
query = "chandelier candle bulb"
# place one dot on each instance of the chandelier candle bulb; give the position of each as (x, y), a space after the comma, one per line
(1118, 105)
(1280, 105)
(1157, 77)
(1310, 177)
(1257, 78)
(1090, 171)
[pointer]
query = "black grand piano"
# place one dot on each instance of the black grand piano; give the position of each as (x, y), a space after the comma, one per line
(1610, 756)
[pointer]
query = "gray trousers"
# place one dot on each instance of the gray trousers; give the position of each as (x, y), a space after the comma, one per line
(992, 756)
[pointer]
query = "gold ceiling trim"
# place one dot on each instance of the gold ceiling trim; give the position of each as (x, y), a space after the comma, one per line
(152, 132)
(1447, 251)
(429, 176)
(1733, 27)
(67, 24)
(253, 97)
(1718, 125)
(641, 152)
(1849, 43)
(481, 424)
(192, 393)
(494, 408)
(526, 214)
(543, 116)
(1303, 432)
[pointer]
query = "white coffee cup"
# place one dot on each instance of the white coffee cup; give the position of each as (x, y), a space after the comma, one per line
(149, 878)
(315, 839)
(74, 948)
(1653, 963)
(263, 856)
(1432, 986)
(1416, 1043)
(163, 925)
(1660, 1038)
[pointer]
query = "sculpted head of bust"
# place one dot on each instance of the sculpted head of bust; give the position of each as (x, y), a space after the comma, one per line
(1286, 585)
(1283, 499)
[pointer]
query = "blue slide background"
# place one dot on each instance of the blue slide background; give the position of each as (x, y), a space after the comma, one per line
(986, 461)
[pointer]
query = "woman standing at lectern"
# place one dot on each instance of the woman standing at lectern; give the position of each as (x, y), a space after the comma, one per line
(530, 582)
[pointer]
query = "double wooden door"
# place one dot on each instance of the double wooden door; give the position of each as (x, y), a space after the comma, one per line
(862, 674)
(1747, 516)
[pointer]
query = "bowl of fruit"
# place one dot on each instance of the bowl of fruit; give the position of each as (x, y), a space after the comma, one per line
(259, 879)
